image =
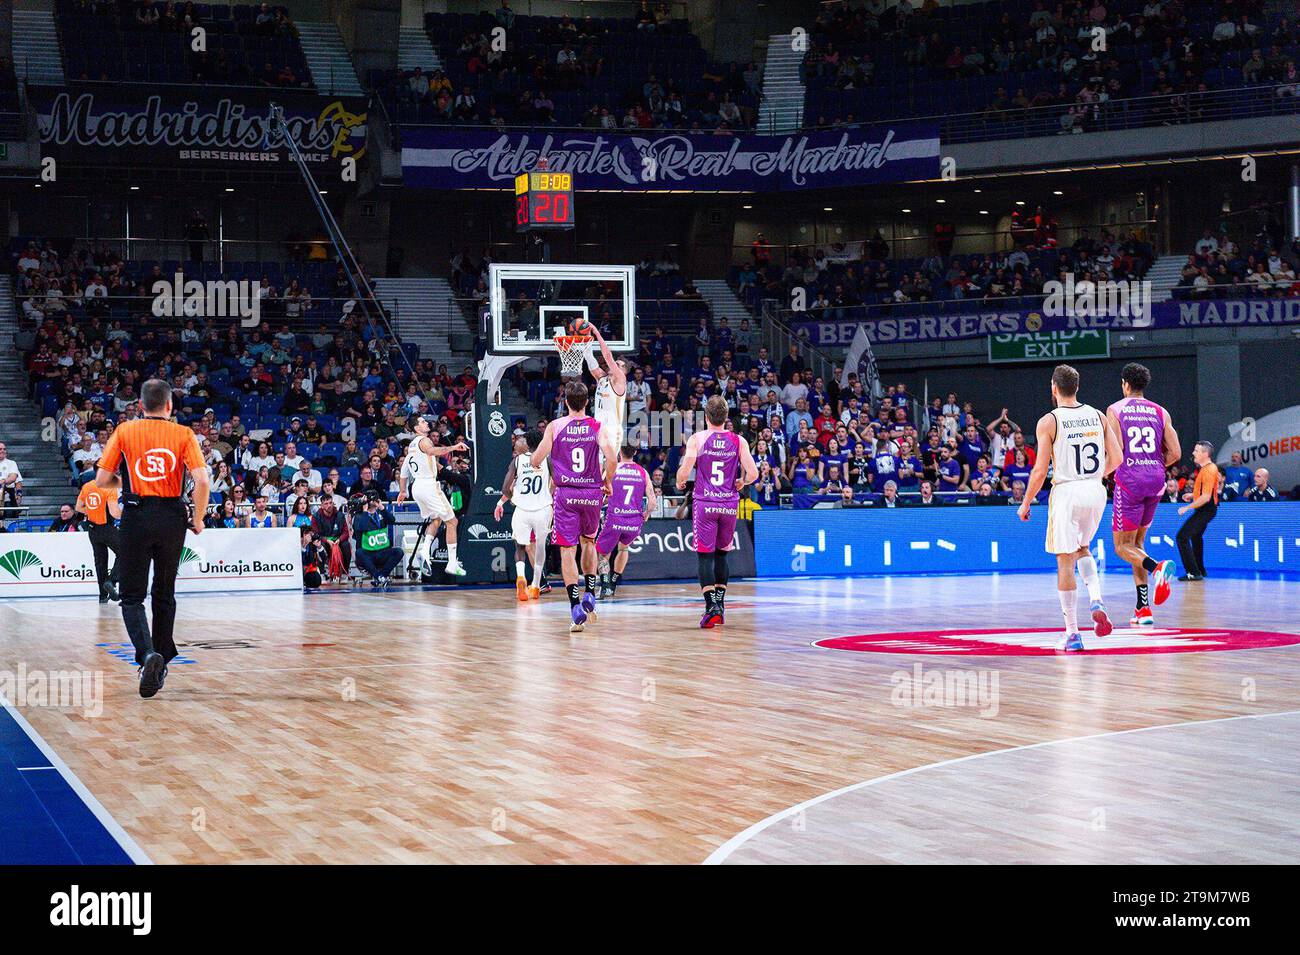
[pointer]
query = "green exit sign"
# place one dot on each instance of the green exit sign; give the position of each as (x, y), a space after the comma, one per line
(1050, 346)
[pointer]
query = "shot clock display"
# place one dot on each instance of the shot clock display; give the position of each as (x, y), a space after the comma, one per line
(543, 200)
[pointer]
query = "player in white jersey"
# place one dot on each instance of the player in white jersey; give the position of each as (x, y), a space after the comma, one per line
(1081, 447)
(609, 408)
(420, 473)
(529, 489)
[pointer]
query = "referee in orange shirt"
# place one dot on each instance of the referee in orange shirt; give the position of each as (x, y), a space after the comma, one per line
(100, 509)
(1204, 505)
(147, 459)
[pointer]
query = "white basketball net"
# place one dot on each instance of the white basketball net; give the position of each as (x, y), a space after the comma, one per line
(572, 349)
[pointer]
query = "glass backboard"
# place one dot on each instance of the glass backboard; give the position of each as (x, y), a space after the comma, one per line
(529, 304)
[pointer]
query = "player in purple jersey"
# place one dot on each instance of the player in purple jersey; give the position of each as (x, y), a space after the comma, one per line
(574, 444)
(1150, 444)
(632, 499)
(715, 457)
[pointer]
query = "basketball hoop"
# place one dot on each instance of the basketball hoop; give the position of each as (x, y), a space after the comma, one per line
(572, 355)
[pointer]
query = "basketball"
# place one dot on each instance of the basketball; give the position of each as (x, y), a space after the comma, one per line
(580, 326)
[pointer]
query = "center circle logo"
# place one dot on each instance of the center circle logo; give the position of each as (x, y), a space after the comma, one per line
(1042, 641)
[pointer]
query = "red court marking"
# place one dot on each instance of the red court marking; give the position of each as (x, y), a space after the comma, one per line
(1042, 641)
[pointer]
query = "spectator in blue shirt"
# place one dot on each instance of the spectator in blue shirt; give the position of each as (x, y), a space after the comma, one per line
(800, 413)
(971, 447)
(1237, 478)
(950, 471)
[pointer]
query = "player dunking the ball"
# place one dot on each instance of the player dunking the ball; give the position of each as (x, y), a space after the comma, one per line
(1149, 444)
(632, 499)
(529, 489)
(609, 407)
(1079, 444)
(574, 445)
(722, 465)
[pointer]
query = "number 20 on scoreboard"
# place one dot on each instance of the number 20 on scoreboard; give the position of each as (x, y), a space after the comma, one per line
(544, 200)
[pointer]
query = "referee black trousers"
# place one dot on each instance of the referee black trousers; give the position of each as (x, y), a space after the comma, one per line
(1191, 539)
(152, 535)
(103, 539)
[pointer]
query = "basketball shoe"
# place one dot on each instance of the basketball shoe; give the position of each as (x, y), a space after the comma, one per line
(521, 589)
(1072, 643)
(1161, 576)
(1101, 623)
(1142, 617)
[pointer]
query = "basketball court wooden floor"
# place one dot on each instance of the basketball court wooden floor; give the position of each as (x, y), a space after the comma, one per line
(458, 726)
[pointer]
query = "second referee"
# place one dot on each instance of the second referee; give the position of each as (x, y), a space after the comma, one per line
(147, 459)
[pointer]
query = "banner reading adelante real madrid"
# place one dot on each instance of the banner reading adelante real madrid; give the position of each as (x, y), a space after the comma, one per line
(887, 325)
(657, 160)
(62, 565)
(96, 124)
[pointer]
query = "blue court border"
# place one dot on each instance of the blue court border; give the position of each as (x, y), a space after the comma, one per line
(47, 816)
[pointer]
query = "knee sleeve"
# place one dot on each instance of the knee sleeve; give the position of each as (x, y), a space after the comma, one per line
(706, 571)
(720, 575)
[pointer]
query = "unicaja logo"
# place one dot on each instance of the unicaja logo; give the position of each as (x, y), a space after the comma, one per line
(1103, 299)
(14, 562)
(216, 298)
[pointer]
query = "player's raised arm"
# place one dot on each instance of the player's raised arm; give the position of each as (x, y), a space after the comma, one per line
(442, 450)
(1173, 448)
(617, 376)
(1046, 433)
(543, 449)
(1114, 452)
(688, 460)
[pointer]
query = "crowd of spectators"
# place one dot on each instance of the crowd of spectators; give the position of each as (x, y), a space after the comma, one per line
(839, 284)
(1007, 58)
(818, 443)
(293, 417)
(1264, 266)
(154, 40)
(599, 73)
(48, 282)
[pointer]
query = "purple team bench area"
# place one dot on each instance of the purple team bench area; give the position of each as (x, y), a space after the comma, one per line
(1244, 538)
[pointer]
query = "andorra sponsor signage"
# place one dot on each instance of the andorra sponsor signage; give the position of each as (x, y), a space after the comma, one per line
(91, 126)
(62, 565)
(836, 328)
(450, 158)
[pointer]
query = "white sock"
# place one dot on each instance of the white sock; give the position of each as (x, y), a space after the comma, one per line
(519, 569)
(1088, 571)
(539, 565)
(1069, 610)
(451, 553)
(425, 549)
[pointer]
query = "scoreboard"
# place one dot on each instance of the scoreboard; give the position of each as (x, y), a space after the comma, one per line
(543, 200)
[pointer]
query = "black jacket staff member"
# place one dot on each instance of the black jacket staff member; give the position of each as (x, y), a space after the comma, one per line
(147, 458)
(1204, 505)
(98, 510)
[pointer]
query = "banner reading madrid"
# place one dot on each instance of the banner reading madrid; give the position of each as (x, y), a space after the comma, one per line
(651, 160)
